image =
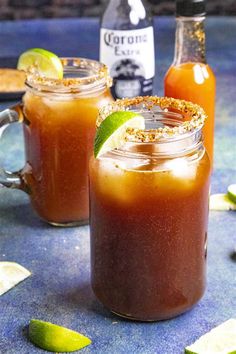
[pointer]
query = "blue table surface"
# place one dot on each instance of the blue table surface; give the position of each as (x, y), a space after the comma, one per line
(59, 288)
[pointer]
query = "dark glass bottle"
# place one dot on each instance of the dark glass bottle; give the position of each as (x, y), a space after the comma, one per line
(127, 47)
(190, 77)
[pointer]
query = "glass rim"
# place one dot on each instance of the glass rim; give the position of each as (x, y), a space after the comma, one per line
(172, 147)
(180, 130)
(167, 154)
(97, 78)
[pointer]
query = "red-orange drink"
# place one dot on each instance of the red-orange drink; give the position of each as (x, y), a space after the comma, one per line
(148, 219)
(59, 130)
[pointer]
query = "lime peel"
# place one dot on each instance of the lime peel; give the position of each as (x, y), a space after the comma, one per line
(221, 202)
(232, 193)
(11, 274)
(54, 338)
(46, 63)
(111, 132)
(220, 340)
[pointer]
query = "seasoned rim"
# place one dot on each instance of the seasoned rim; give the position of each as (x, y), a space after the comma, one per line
(97, 76)
(195, 114)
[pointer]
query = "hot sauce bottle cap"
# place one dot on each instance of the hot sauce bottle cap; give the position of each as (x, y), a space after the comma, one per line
(190, 8)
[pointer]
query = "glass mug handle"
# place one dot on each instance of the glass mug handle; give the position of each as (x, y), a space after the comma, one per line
(11, 179)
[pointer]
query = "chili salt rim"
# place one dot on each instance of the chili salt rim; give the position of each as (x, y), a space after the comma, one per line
(195, 112)
(100, 75)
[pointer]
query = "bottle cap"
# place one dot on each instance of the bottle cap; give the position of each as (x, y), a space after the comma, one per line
(190, 8)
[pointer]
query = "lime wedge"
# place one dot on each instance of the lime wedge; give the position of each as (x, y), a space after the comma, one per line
(111, 133)
(11, 274)
(232, 193)
(47, 63)
(221, 202)
(53, 338)
(220, 340)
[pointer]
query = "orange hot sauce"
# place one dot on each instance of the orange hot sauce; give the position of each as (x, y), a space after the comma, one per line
(190, 77)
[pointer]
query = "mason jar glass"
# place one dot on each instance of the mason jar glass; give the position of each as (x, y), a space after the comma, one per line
(149, 213)
(59, 125)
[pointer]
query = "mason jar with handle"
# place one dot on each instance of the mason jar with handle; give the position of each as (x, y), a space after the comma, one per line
(58, 118)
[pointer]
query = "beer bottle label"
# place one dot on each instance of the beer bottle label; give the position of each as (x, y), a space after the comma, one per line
(129, 56)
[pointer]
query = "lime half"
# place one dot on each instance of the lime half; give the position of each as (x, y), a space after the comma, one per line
(111, 133)
(220, 340)
(221, 202)
(54, 338)
(11, 274)
(232, 193)
(47, 63)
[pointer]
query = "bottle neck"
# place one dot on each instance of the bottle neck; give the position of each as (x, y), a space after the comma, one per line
(126, 15)
(189, 40)
(122, 7)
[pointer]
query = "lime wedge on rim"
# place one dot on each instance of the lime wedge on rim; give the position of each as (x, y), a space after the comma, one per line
(47, 63)
(232, 192)
(220, 340)
(54, 338)
(11, 274)
(111, 132)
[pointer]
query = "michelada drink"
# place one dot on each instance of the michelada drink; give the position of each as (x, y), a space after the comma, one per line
(149, 210)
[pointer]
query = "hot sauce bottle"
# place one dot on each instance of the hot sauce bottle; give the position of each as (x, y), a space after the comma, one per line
(190, 77)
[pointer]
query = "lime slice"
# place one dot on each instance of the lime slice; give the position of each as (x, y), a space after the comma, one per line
(11, 274)
(232, 193)
(47, 63)
(220, 340)
(111, 133)
(221, 202)
(51, 337)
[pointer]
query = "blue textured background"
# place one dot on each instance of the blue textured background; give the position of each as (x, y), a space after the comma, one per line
(59, 289)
